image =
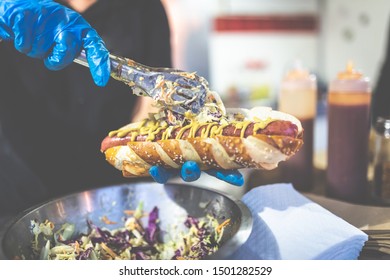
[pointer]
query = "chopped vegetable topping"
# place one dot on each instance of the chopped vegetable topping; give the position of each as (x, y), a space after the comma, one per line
(107, 221)
(131, 241)
(222, 225)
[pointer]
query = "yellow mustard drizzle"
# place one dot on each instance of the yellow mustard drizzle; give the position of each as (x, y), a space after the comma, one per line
(194, 128)
(189, 115)
(167, 133)
(122, 132)
(134, 135)
(151, 128)
(182, 130)
(152, 134)
(206, 132)
(260, 124)
(148, 127)
(243, 126)
(217, 130)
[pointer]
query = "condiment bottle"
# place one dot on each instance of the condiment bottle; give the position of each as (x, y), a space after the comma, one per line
(298, 97)
(349, 101)
(381, 161)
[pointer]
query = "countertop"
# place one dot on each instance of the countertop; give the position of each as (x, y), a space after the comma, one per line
(368, 217)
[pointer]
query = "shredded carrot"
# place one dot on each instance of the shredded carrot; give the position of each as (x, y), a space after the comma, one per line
(108, 250)
(168, 95)
(77, 247)
(50, 224)
(129, 212)
(161, 84)
(222, 225)
(187, 75)
(108, 221)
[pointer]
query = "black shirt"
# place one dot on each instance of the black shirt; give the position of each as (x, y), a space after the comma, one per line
(55, 121)
(381, 96)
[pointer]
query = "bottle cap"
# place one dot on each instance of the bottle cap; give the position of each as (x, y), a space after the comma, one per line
(350, 81)
(299, 77)
(298, 92)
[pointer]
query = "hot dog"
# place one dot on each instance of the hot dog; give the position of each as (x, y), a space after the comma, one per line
(257, 138)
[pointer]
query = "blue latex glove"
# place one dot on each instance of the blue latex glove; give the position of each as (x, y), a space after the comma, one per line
(190, 172)
(47, 30)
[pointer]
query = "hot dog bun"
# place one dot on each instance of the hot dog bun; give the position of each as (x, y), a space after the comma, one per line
(257, 138)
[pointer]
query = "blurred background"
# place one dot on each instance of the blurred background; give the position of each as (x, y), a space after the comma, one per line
(244, 47)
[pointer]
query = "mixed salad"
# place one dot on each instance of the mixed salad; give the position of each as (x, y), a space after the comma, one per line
(133, 240)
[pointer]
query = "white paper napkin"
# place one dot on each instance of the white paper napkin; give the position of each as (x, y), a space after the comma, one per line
(288, 226)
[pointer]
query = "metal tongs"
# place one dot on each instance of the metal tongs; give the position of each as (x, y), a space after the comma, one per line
(173, 89)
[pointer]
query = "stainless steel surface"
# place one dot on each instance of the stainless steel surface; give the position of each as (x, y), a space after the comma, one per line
(189, 91)
(174, 203)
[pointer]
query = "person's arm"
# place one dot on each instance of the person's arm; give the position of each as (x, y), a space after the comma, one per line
(143, 107)
(49, 31)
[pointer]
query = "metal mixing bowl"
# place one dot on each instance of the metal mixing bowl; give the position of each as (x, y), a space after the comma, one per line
(174, 203)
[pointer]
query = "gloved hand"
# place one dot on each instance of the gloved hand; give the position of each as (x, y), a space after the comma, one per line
(47, 30)
(190, 172)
